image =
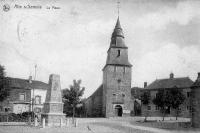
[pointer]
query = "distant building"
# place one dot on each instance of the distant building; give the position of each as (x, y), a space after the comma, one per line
(113, 97)
(136, 97)
(183, 83)
(21, 94)
(136, 92)
(195, 100)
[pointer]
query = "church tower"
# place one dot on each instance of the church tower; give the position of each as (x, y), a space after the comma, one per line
(117, 77)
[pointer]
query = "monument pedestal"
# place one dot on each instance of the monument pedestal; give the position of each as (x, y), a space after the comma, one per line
(54, 119)
(53, 106)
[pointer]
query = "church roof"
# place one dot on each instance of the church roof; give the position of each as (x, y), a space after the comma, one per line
(184, 82)
(120, 61)
(98, 92)
(24, 84)
(117, 39)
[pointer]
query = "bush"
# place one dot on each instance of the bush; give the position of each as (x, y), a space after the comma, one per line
(12, 117)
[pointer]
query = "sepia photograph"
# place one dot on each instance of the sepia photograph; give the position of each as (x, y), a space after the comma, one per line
(99, 66)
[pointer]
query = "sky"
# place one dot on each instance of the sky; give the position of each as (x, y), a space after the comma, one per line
(163, 36)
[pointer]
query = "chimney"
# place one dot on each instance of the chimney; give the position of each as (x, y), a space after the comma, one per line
(30, 79)
(145, 84)
(171, 76)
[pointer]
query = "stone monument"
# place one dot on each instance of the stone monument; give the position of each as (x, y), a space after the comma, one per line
(53, 106)
(195, 101)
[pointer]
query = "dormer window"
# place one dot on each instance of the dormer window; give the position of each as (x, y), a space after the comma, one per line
(118, 53)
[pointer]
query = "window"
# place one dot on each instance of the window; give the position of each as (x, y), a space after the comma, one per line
(157, 108)
(123, 95)
(22, 96)
(119, 80)
(188, 94)
(7, 109)
(189, 108)
(149, 107)
(114, 96)
(38, 110)
(118, 53)
(37, 99)
(156, 95)
(124, 70)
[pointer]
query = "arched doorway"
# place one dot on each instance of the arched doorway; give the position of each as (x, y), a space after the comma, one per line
(118, 110)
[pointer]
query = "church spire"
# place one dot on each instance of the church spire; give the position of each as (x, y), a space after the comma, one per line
(118, 26)
(117, 39)
(117, 54)
(118, 51)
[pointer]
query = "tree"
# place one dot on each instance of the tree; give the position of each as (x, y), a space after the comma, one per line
(137, 108)
(72, 96)
(177, 99)
(3, 84)
(81, 109)
(145, 99)
(163, 101)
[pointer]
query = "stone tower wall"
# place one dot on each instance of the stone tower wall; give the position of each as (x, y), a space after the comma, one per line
(117, 81)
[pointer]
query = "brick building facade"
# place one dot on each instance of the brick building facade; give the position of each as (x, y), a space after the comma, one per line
(113, 97)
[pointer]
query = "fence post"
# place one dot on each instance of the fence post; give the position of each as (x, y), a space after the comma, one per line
(76, 122)
(43, 122)
(67, 122)
(36, 122)
(29, 120)
(60, 122)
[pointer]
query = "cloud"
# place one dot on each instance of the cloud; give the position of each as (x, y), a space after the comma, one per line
(169, 58)
(183, 13)
(183, 35)
(74, 12)
(73, 41)
(14, 61)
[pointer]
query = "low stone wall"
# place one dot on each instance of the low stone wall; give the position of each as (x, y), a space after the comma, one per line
(165, 124)
(173, 125)
(13, 123)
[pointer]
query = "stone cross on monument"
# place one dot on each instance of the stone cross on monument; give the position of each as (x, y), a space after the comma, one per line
(53, 106)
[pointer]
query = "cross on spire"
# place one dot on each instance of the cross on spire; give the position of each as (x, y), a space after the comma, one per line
(118, 6)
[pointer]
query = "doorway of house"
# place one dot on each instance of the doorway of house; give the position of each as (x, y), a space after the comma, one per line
(118, 110)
